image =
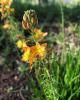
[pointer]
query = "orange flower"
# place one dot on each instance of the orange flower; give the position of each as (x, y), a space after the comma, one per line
(38, 34)
(32, 53)
(32, 58)
(41, 50)
(38, 51)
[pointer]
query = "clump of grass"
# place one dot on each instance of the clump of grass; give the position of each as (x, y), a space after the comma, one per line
(59, 77)
(62, 80)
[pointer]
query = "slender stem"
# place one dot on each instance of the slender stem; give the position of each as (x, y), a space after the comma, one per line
(62, 14)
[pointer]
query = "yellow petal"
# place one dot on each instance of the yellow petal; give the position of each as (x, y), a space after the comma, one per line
(21, 43)
(6, 26)
(41, 50)
(26, 55)
(6, 2)
(39, 34)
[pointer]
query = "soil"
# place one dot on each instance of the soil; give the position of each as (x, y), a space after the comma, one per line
(13, 86)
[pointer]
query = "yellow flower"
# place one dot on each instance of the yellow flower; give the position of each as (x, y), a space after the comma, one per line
(38, 51)
(38, 34)
(26, 55)
(6, 2)
(5, 9)
(41, 50)
(32, 53)
(7, 25)
(21, 43)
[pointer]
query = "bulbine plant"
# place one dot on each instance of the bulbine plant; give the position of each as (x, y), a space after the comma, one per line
(5, 13)
(5, 8)
(31, 47)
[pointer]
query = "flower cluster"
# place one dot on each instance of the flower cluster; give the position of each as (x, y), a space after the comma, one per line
(30, 53)
(5, 8)
(29, 19)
